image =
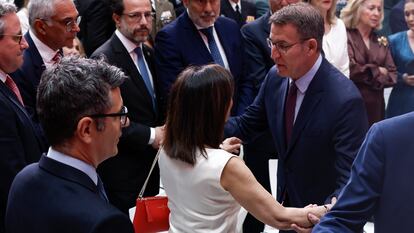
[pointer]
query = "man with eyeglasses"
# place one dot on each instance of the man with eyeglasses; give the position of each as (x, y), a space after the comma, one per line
(82, 112)
(53, 25)
(198, 37)
(125, 174)
(258, 62)
(315, 114)
(19, 144)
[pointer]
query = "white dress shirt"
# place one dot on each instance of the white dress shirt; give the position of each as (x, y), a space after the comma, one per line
(46, 53)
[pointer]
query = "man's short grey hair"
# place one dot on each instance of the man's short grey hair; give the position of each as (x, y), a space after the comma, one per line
(306, 18)
(5, 8)
(41, 9)
(74, 88)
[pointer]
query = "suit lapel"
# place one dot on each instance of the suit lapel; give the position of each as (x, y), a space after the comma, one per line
(280, 100)
(224, 39)
(312, 98)
(123, 55)
(36, 59)
(67, 172)
(194, 38)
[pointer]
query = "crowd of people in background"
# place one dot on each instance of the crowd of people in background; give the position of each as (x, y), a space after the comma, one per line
(91, 89)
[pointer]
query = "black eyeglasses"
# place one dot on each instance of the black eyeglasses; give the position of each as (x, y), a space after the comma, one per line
(121, 114)
(17, 38)
(137, 16)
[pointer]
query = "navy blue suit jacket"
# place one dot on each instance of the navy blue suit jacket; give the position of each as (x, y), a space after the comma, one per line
(52, 197)
(380, 184)
(19, 145)
(257, 53)
(179, 45)
(27, 78)
(328, 131)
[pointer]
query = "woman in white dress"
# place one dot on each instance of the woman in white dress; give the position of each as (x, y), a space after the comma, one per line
(334, 42)
(206, 185)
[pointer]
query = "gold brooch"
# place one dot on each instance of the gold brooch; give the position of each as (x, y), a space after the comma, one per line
(383, 41)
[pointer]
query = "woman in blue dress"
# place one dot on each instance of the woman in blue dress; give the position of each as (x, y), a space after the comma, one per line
(402, 48)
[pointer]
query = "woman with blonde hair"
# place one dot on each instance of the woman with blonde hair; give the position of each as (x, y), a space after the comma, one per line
(206, 185)
(334, 42)
(371, 65)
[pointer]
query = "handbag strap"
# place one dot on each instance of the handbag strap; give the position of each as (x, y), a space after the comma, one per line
(141, 193)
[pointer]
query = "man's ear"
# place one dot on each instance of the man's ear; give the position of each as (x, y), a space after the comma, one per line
(313, 46)
(117, 19)
(85, 129)
(185, 3)
(40, 26)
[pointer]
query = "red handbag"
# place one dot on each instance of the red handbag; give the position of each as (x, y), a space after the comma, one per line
(151, 213)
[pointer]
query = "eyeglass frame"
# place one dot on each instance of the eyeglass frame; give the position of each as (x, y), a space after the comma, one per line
(122, 114)
(69, 25)
(283, 49)
(17, 38)
(137, 16)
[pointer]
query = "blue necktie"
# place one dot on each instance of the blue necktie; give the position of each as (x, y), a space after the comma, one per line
(215, 53)
(145, 76)
(101, 190)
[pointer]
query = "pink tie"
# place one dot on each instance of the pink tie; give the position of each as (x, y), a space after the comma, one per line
(13, 87)
(56, 58)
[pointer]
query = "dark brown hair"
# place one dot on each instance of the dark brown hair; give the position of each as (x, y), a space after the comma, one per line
(197, 109)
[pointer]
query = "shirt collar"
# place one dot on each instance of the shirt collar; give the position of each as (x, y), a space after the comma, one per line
(3, 76)
(128, 44)
(303, 82)
(233, 5)
(45, 51)
(73, 162)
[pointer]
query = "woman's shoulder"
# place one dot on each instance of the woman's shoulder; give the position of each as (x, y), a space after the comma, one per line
(397, 36)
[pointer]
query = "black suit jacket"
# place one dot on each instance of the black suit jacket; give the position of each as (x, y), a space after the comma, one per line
(52, 197)
(96, 25)
(247, 9)
(127, 171)
(19, 145)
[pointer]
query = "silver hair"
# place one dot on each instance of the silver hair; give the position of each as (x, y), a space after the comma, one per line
(72, 89)
(41, 9)
(5, 8)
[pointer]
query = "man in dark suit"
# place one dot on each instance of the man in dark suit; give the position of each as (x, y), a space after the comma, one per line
(63, 193)
(125, 174)
(241, 11)
(382, 169)
(199, 36)
(397, 21)
(258, 62)
(52, 26)
(96, 25)
(19, 144)
(318, 125)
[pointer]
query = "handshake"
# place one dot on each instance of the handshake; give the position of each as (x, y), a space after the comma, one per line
(299, 219)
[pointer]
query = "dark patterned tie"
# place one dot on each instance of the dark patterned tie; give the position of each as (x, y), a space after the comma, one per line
(215, 53)
(238, 15)
(290, 110)
(145, 76)
(13, 87)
